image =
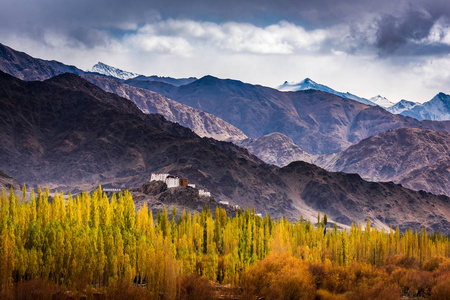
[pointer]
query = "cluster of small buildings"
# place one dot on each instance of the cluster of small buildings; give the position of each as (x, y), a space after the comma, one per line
(173, 181)
(112, 190)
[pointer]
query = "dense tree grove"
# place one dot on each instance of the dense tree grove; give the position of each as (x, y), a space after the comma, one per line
(90, 240)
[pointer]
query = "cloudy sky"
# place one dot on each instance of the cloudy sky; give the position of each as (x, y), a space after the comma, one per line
(399, 49)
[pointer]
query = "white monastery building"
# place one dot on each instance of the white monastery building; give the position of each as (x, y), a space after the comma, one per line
(173, 181)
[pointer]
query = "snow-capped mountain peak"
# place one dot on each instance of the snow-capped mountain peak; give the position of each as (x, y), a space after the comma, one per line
(308, 84)
(305, 84)
(381, 101)
(437, 109)
(107, 70)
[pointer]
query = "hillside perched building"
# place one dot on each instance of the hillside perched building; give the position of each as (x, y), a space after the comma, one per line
(111, 190)
(158, 177)
(172, 181)
(183, 182)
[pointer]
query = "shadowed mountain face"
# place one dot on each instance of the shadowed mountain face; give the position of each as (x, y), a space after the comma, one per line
(70, 134)
(316, 121)
(418, 159)
(25, 67)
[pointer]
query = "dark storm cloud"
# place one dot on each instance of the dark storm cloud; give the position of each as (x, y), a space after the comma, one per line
(393, 33)
(310, 13)
(405, 33)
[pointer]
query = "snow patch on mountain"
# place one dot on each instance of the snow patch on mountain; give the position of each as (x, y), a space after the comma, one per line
(104, 69)
(308, 84)
(381, 101)
(401, 106)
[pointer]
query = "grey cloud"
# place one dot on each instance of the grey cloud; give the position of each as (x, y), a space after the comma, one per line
(308, 13)
(396, 33)
(406, 32)
(399, 25)
(89, 38)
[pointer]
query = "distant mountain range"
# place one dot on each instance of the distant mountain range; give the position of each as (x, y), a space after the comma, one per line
(437, 109)
(318, 122)
(72, 135)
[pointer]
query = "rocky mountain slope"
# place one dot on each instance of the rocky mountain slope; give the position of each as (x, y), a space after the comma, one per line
(203, 124)
(316, 121)
(418, 159)
(70, 134)
(385, 203)
(275, 148)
